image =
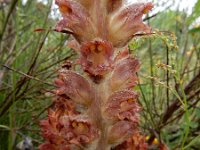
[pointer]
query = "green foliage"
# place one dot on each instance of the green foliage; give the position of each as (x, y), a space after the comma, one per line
(195, 13)
(28, 62)
(170, 75)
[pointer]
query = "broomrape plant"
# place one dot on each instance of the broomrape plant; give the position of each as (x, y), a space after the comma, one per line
(97, 109)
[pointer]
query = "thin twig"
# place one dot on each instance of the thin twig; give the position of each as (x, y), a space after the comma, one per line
(26, 75)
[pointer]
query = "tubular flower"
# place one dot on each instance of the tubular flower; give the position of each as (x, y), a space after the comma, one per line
(108, 20)
(125, 23)
(96, 108)
(66, 128)
(122, 105)
(96, 57)
(124, 74)
(75, 87)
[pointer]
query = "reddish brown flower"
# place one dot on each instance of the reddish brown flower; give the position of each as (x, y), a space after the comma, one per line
(124, 74)
(98, 109)
(96, 57)
(122, 105)
(107, 20)
(136, 142)
(78, 129)
(62, 132)
(77, 19)
(120, 131)
(75, 87)
(126, 22)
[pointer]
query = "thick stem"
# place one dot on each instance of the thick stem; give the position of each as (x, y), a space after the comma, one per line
(96, 114)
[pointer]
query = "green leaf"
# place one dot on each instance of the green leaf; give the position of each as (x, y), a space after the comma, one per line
(195, 13)
(194, 30)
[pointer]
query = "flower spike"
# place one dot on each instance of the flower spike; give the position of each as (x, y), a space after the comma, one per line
(95, 106)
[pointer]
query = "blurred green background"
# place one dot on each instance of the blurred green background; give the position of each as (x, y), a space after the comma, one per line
(169, 78)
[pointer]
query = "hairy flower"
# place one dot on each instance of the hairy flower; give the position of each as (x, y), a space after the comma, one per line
(75, 87)
(124, 74)
(95, 107)
(108, 20)
(78, 129)
(77, 19)
(120, 131)
(96, 57)
(66, 128)
(126, 22)
(122, 105)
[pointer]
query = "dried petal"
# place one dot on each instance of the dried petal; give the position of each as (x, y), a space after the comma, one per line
(122, 106)
(62, 132)
(78, 129)
(76, 18)
(136, 142)
(127, 22)
(64, 106)
(73, 44)
(124, 74)
(120, 131)
(62, 146)
(124, 54)
(75, 87)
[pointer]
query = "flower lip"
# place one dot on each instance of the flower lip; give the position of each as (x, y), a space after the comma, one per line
(74, 86)
(125, 23)
(81, 128)
(122, 106)
(76, 130)
(124, 73)
(96, 57)
(76, 20)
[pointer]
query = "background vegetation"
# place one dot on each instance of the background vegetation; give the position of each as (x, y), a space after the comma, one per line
(169, 79)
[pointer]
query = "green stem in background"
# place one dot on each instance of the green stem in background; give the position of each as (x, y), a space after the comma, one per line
(186, 117)
(12, 123)
(195, 139)
(146, 103)
(153, 99)
(12, 110)
(12, 7)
